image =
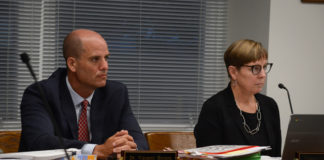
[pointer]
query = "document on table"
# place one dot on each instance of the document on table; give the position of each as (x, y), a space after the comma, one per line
(39, 155)
(222, 151)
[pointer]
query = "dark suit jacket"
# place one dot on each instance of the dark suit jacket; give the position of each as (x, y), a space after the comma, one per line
(110, 112)
(220, 122)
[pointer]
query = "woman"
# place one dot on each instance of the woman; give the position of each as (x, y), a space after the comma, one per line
(240, 115)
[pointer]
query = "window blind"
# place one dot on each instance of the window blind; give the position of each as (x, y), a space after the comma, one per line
(168, 53)
(20, 22)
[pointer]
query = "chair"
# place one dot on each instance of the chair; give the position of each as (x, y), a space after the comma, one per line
(9, 141)
(173, 140)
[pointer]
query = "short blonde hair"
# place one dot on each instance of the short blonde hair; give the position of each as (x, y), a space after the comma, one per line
(244, 51)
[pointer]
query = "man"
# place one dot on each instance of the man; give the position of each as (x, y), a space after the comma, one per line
(93, 113)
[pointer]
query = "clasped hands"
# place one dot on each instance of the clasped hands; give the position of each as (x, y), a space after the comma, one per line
(120, 141)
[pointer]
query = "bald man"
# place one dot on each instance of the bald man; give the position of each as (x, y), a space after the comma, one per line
(92, 112)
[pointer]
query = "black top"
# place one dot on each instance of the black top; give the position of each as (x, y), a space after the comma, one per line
(261, 137)
(220, 123)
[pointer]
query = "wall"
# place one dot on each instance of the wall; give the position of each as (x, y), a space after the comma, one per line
(249, 19)
(293, 32)
(296, 47)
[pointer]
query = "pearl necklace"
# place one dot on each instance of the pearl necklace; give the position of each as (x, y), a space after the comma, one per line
(246, 126)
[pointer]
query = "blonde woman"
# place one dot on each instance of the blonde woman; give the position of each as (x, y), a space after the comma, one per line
(239, 114)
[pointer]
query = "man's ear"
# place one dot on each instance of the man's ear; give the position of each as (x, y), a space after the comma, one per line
(71, 63)
(232, 70)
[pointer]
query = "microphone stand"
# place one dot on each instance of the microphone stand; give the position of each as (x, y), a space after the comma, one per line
(25, 58)
(281, 86)
(292, 112)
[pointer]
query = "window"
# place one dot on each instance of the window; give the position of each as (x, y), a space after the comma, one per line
(168, 53)
(20, 23)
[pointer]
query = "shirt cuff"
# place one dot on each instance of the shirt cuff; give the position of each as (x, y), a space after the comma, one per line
(87, 148)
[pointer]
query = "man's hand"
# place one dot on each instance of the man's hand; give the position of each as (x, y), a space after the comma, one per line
(115, 144)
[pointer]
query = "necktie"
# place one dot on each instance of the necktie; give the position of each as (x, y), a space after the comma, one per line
(83, 123)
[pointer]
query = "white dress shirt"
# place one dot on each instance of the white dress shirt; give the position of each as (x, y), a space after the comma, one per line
(77, 100)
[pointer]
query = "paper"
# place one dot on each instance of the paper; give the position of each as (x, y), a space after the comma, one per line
(38, 155)
(222, 151)
(270, 158)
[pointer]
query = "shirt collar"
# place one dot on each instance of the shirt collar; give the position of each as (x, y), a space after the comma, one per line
(76, 98)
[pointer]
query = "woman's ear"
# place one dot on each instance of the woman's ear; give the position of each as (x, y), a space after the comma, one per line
(232, 70)
(71, 63)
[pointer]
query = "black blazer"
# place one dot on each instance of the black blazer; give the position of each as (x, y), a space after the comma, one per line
(220, 122)
(110, 112)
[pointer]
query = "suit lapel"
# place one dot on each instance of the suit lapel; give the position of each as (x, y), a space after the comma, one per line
(103, 111)
(98, 114)
(69, 110)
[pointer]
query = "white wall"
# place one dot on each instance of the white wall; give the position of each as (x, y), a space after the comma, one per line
(293, 32)
(296, 47)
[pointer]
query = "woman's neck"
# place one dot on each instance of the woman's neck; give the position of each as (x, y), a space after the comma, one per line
(244, 101)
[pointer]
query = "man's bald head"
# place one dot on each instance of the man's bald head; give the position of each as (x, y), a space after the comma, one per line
(73, 42)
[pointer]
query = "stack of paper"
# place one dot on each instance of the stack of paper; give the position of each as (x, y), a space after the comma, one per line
(39, 155)
(223, 151)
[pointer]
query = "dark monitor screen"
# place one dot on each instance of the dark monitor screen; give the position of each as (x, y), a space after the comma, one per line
(305, 135)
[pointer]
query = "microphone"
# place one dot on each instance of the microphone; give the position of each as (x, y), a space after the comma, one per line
(25, 58)
(281, 86)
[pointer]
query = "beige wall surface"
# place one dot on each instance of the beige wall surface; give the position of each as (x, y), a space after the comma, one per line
(296, 47)
(293, 32)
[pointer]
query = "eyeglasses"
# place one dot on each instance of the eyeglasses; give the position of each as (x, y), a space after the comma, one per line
(256, 69)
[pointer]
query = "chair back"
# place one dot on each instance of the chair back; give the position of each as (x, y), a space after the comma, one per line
(173, 140)
(9, 141)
